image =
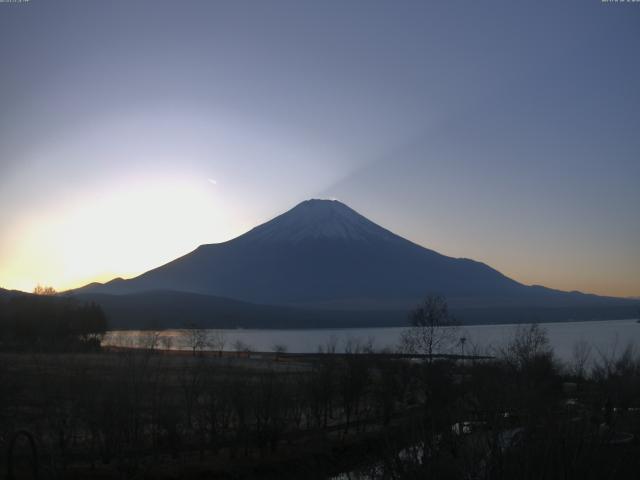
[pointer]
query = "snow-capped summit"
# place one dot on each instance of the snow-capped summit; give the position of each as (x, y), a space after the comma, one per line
(318, 219)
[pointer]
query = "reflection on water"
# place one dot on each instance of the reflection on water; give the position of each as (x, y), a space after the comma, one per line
(603, 336)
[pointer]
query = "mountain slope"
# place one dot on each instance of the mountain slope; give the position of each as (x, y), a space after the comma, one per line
(322, 253)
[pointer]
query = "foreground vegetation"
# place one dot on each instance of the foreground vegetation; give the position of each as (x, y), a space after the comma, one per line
(150, 414)
(154, 413)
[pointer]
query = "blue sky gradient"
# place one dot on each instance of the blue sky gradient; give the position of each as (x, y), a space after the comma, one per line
(507, 132)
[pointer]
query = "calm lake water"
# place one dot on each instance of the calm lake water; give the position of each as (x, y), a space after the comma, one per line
(603, 336)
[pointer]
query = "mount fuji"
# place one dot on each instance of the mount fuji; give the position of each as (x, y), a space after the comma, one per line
(321, 254)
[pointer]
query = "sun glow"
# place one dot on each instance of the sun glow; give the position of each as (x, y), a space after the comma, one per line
(122, 230)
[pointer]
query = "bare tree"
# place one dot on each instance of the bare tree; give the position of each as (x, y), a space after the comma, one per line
(432, 328)
(330, 346)
(355, 345)
(166, 341)
(528, 343)
(217, 341)
(43, 290)
(279, 349)
(580, 356)
(241, 347)
(149, 340)
(196, 338)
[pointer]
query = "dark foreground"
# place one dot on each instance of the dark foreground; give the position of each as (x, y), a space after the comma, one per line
(145, 414)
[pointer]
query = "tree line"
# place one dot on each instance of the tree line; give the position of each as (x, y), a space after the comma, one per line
(45, 321)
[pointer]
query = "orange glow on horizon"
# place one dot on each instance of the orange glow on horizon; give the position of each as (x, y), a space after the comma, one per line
(123, 233)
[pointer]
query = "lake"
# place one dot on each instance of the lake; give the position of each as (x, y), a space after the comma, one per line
(603, 336)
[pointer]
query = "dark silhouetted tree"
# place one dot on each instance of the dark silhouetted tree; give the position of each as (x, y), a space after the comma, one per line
(432, 329)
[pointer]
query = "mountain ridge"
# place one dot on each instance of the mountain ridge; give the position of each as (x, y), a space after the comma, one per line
(322, 252)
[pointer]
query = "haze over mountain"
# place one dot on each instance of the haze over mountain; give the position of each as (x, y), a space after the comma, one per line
(323, 254)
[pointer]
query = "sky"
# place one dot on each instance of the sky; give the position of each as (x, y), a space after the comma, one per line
(133, 131)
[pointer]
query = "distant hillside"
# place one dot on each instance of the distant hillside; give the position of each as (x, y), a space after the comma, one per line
(6, 294)
(167, 309)
(164, 309)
